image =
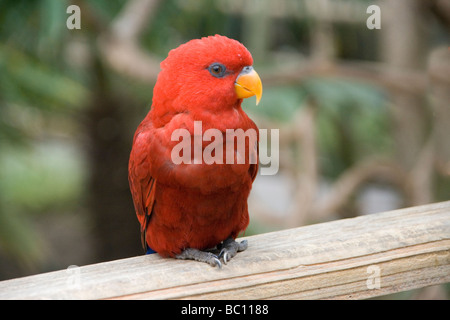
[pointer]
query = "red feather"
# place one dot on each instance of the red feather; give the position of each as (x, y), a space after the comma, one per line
(191, 205)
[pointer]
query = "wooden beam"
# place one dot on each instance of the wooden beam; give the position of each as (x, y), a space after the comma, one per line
(345, 259)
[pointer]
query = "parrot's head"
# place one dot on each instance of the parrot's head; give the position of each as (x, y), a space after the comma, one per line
(210, 73)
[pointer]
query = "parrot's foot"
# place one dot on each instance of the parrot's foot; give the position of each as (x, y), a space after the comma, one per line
(230, 248)
(202, 256)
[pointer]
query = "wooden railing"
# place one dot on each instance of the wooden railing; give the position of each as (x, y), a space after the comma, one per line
(354, 258)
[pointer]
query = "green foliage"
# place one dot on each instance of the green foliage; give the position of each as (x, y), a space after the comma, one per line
(18, 237)
(199, 18)
(27, 81)
(40, 178)
(36, 92)
(278, 103)
(352, 122)
(352, 119)
(36, 180)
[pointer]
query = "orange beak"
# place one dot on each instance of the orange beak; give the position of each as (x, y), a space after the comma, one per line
(248, 84)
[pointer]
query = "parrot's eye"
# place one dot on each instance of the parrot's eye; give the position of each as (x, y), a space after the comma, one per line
(217, 70)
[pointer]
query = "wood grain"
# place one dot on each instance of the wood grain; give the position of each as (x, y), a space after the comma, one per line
(354, 258)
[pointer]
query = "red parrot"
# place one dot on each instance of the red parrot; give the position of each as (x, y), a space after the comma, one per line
(184, 209)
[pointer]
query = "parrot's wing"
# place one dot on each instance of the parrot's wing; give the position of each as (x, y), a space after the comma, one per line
(254, 155)
(149, 191)
(253, 170)
(142, 184)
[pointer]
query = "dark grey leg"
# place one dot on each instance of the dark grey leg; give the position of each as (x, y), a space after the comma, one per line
(198, 255)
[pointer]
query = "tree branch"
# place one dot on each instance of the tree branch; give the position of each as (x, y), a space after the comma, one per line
(120, 46)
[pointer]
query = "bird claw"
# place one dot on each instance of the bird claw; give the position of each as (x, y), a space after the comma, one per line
(202, 256)
(230, 248)
(217, 263)
(225, 257)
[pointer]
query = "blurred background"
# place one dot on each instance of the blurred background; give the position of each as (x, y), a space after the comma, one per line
(363, 114)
